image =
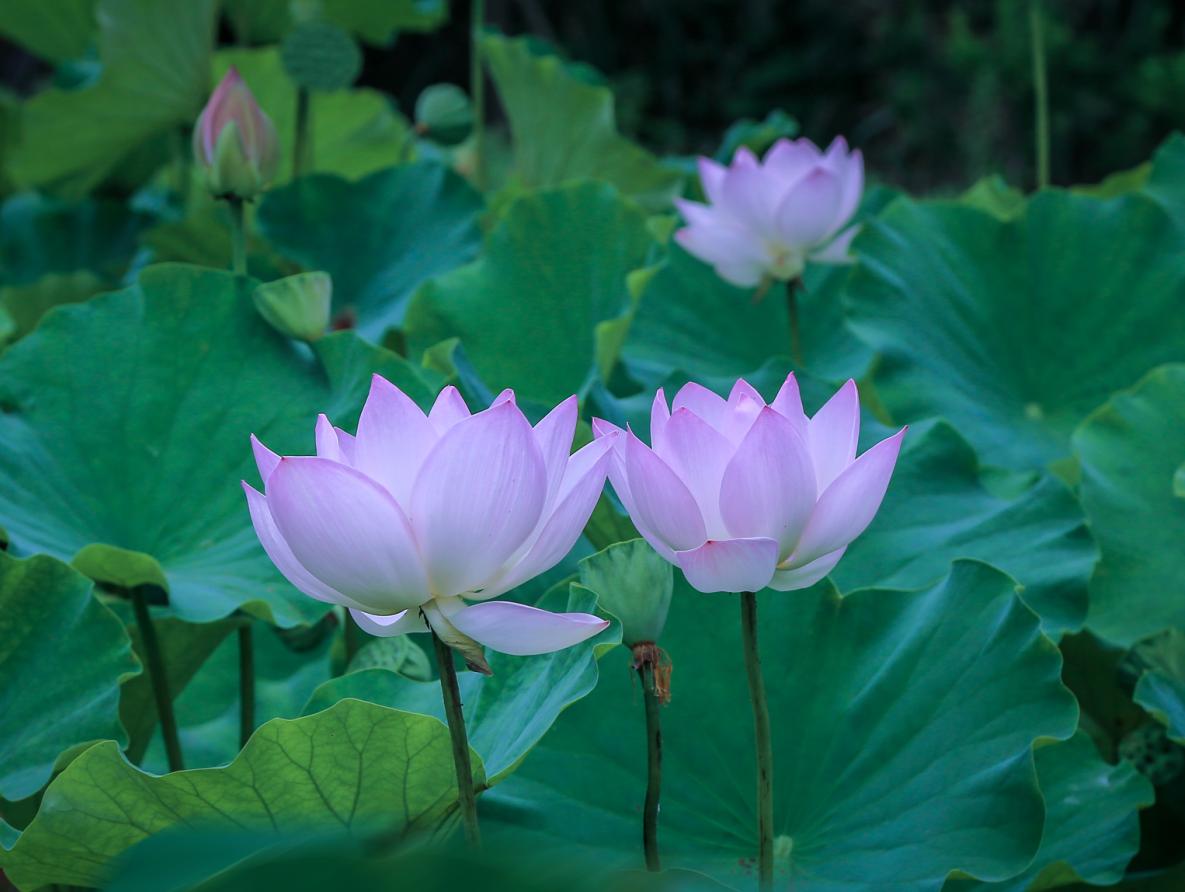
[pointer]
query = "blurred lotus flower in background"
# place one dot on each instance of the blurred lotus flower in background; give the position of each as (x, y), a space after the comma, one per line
(418, 514)
(767, 218)
(742, 495)
(234, 141)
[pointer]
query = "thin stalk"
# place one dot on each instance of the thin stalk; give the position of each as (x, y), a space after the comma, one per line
(238, 235)
(456, 726)
(765, 754)
(477, 91)
(159, 680)
(302, 149)
(653, 766)
(246, 685)
(792, 311)
(1040, 90)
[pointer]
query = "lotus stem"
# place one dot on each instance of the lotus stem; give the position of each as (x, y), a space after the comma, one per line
(246, 684)
(158, 679)
(302, 149)
(652, 701)
(1040, 90)
(765, 758)
(456, 726)
(238, 235)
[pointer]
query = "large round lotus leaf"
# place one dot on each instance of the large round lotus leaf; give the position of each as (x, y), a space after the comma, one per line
(62, 657)
(126, 423)
(379, 238)
(352, 132)
(938, 509)
(356, 767)
(155, 77)
(58, 31)
(528, 311)
(690, 319)
(1165, 182)
(1092, 822)
(506, 713)
(563, 125)
(1130, 450)
(1015, 330)
(903, 725)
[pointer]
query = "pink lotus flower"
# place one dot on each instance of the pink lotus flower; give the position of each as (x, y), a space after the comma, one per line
(767, 218)
(742, 495)
(235, 142)
(418, 514)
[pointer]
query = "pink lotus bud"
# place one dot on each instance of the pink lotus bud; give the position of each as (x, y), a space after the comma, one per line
(417, 515)
(742, 495)
(768, 217)
(234, 141)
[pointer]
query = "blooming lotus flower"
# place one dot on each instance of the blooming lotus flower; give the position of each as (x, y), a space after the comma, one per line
(418, 514)
(742, 495)
(234, 141)
(768, 217)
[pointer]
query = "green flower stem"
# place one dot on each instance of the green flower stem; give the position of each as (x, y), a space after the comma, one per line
(302, 149)
(792, 311)
(159, 680)
(238, 235)
(1040, 90)
(246, 684)
(456, 727)
(477, 91)
(765, 755)
(653, 766)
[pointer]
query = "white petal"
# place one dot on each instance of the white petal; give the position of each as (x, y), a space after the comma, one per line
(448, 409)
(265, 459)
(730, 565)
(809, 212)
(837, 250)
(709, 406)
(554, 436)
(695, 451)
(523, 631)
(347, 531)
(394, 438)
(832, 434)
(711, 176)
(661, 501)
(848, 505)
(790, 160)
(768, 488)
(659, 415)
(808, 574)
(477, 498)
(327, 443)
(389, 626)
(788, 404)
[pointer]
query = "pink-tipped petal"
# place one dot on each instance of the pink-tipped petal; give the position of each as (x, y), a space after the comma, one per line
(806, 575)
(741, 390)
(730, 565)
(808, 213)
(347, 445)
(347, 531)
(394, 438)
(850, 168)
(832, 434)
(281, 555)
(721, 243)
(789, 160)
(478, 497)
(401, 623)
(660, 414)
(768, 488)
(661, 502)
(838, 249)
(524, 631)
(711, 177)
(506, 396)
(788, 404)
(709, 406)
(327, 442)
(265, 459)
(554, 436)
(696, 452)
(747, 200)
(848, 505)
(448, 409)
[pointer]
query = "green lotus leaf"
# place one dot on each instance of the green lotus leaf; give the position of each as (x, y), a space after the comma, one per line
(506, 713)
(563, 127)
(1129, 450)
(1092, 824)
(553, 269)
(50, 698)
(126, 424)
(1160, 689)
(26, 304)
(356, 767)
(57, 31)
(1015, 330)
(938, 509)
(379, 238)
(155, 77)
(903, 725)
